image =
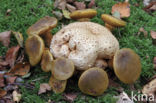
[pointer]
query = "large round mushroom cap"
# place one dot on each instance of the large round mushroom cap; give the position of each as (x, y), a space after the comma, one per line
(83, 43)
(127, 65)
(93, 81)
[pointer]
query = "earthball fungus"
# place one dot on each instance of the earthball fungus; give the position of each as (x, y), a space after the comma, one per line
(84, 43)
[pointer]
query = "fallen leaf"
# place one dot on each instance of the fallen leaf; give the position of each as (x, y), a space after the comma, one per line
(66, 14)
(150, 88)
(150, 7)
(91, 4)
(60, 4)
(3, 63)
(123, 98)
(21, 56)
(142, 30)
(123, 8)
(11, 55)
(11, 87)
(58, 14)
(71, 8)
(69, 1)
(2, 93)
(19, 38)
(154, 63)
(70, 97)
(2, 80)
(16, 96)
(5, 38)
(10, 79)
(8, 11)
(153, 35)
(20, 69)
(80, 5)
(44, 87)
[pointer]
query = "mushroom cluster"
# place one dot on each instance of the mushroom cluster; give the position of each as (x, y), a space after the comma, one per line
(85, 47)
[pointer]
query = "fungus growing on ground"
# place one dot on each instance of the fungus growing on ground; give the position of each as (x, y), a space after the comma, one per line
(127, 65)
(42, 28)
(101, 63)
(112, 22)
(85, 14)
(34, 47)
(46, 62)
(58, 86)
(83, 43)
(93, 81)
(62, 69)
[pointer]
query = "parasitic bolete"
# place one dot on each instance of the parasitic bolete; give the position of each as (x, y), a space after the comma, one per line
(47, 59)
(43, 28)
(62, 68)
(93, 81)
(127, 65)
(83, 43)
(34, 47)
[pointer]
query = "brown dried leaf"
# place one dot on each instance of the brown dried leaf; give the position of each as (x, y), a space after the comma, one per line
(11, 55)
(150, 88)
(58, 14)
(3, 63)
(2, 93)
(80, 5)
(2, 80)
(44, 87)
(123, 8)
(71, 8)
(20, 69)
(10, 79)
(91, 4)
(60, 4)
(142, 30)
(5, 38)
(150, 7)
(154, 63)
(153, 34)
(70, 96)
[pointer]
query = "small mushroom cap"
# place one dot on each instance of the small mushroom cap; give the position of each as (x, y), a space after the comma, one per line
(112, 20)
(62, 68)
(43, 25)
(93, 81)
(100, 63)
(127, 65)
(34, 47)
(58, 86)
(46, 62)
(86, 13)
(83, 43)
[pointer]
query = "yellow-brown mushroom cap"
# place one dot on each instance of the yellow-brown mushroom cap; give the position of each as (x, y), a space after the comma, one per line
(127, 65)
(43, 25)
(87, 13)
(93, 81)
(112, 20)
(34, 47)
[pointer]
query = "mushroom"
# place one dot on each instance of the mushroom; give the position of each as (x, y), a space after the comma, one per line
(62, 68)
(46, 62)
(58, 86)
(34, 47)
(93, 81)
(110, 63)
(83, 15)
(83, 43)
(101, 63)
(111, 22)
(127, 66)
(43, 27)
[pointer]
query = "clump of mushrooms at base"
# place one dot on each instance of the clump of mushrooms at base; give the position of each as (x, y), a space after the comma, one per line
(86, 47)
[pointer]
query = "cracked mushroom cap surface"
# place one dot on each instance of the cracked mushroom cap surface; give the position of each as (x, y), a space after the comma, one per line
(83, 43)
